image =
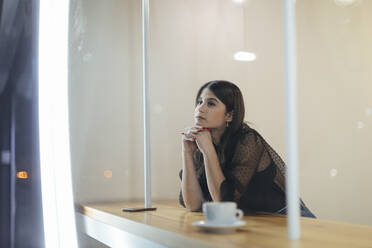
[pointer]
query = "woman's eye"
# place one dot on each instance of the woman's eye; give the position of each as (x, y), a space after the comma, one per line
(199, 102)
(211, 104)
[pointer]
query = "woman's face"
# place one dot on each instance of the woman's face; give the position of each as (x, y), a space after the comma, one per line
(210, 111)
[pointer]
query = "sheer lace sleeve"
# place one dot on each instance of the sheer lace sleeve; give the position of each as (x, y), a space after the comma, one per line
(250, 157)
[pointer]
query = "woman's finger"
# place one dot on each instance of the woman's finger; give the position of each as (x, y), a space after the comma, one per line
(190, 134)
(193, 128)
(193, 131)
(188, 130)
(189, 138)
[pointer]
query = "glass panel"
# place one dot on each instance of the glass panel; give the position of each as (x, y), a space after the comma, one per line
(335, 101)
(105, 94)
(193, 42)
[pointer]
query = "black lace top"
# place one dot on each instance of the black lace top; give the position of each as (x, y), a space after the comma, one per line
(255, 177)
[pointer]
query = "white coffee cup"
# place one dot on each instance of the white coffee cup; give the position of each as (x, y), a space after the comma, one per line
(221, 212)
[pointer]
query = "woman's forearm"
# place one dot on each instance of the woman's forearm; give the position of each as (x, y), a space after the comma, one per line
(214, 173)
(191, 192)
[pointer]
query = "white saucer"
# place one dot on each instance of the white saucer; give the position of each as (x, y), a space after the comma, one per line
(220, 228)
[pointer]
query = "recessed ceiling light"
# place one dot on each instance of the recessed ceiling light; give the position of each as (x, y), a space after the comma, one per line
(238, 1)
(244, 56)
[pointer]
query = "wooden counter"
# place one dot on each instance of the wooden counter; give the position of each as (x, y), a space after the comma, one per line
(171, 226)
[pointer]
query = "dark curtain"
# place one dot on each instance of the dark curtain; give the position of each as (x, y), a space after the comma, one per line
(21, 207)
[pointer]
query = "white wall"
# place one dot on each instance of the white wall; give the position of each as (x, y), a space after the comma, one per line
(192, 42)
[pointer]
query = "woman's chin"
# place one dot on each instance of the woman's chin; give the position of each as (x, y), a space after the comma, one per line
(200, 123)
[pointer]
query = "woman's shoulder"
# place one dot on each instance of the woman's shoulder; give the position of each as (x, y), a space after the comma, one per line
(249, 145)
(247, 135)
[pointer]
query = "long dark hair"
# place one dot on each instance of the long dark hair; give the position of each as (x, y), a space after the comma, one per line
(230, 95)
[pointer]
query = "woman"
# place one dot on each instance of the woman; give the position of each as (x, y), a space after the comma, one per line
(226, 160)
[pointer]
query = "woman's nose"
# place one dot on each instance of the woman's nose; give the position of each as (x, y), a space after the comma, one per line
(202, 108)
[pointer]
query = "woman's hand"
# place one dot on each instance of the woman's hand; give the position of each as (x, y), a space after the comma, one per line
(188, 140)
(204, 140)
(196, 137)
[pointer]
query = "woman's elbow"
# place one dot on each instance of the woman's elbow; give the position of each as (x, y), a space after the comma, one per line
(198, 209)
(194, 208)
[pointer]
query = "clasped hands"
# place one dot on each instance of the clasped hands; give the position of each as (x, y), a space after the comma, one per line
(197, 137)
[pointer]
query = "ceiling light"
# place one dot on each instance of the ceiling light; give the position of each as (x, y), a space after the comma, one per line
(244, 56)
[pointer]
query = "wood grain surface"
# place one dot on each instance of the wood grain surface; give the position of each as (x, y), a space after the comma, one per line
(171, 225)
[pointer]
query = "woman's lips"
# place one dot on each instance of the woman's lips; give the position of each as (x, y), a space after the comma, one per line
(200, 118)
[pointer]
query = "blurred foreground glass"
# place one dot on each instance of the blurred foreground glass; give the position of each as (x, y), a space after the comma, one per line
(192, 42)
(335, 101)
(58, 208)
